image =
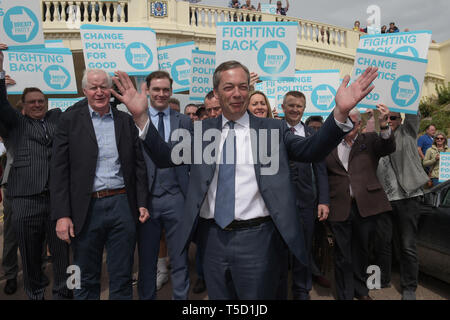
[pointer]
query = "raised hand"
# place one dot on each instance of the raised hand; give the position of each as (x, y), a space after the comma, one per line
(9, 81)
(348, 97)
(384, 114)
(136, 103)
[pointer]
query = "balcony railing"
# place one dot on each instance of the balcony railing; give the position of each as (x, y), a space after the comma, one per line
(200, 18)
(78, 12)
(308, 31)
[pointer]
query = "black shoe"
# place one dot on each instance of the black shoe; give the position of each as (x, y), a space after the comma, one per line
(200, 286)
(10, 286)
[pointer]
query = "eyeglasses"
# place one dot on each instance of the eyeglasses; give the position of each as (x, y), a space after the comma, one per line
(393, 118)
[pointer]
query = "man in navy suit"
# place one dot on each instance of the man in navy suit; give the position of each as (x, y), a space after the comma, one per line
(167, 188)
(294, 104)
(243, 212)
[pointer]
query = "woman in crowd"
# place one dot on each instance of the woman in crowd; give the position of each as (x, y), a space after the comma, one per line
(432, 156)
(259, 105)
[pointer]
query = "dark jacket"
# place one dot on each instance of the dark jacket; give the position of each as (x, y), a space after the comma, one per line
(74, 163)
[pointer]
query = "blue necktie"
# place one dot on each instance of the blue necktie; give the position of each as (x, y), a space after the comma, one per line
(224, 207)
(161, 125)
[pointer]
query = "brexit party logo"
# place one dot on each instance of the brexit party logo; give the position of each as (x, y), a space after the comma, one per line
(405, 91)
(20, 24)
(181, 71)
(273, 57)
(323, 97)
(138, 55)
(56, 77)
(407, 51)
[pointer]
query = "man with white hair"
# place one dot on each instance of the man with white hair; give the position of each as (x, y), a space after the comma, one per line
(98, 188)
(356, 197)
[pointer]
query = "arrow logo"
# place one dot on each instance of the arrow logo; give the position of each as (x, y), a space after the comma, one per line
(406, 91)
(324, 97)
(275, 57)
(183, 70)
(58, 77)
(139, 55)
(407, 51)
(22, 24)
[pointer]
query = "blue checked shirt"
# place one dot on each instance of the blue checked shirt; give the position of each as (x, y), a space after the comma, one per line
(108, 174)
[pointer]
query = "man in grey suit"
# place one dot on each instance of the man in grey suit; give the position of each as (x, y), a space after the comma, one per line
(29, 136)
(244, 215)
(167, 188)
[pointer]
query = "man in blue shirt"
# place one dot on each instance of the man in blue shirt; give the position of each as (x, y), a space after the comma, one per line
(424, 142)
(98, 188)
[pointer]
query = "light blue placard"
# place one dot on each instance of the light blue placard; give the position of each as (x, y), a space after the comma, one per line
(444, 166)
(184, 44)
(21, 24)
(266, 48)
(62, 104)
(99, 27)
(202, 70)
(412, 44)
(399, 80)
(269, 8)
(263, 23)
(51, 70)
(390, 55)
(130, 49)
(54, 44)
(397, 33)
(176, 60)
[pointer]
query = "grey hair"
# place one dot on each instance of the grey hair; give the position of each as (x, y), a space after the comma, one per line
(89, 71)
(356, 112)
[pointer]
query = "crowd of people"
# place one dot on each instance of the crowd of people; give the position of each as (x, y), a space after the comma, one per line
(94, 178)
(384, 29)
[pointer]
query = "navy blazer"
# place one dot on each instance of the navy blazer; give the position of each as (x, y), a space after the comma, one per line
(276, 190)
(177, 121)
(74, 162)
(304, 184)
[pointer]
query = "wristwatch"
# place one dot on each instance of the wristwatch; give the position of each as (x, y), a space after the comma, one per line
(2, 75)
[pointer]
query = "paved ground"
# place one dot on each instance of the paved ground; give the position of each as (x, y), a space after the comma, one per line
(429, 288)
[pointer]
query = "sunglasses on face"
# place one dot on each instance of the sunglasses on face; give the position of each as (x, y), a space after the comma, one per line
(393, 118)
(439, 138)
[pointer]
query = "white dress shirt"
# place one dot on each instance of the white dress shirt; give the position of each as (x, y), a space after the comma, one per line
(299, 129)
(249, 203)
(344, 149)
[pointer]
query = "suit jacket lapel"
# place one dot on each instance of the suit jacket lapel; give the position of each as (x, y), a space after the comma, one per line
(86, 121)
(118, 122)
(174, 121)
(357, 145)
(335, 155)
(255, 125)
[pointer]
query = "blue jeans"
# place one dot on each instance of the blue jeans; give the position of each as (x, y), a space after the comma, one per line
(109, 224)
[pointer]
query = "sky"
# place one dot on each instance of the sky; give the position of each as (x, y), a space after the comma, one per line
(412, 14)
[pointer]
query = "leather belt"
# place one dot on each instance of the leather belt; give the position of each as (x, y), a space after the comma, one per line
(243, 224)
(107, 193)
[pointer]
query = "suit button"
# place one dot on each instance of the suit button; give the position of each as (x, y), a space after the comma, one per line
(198, 205)
(208, 182)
